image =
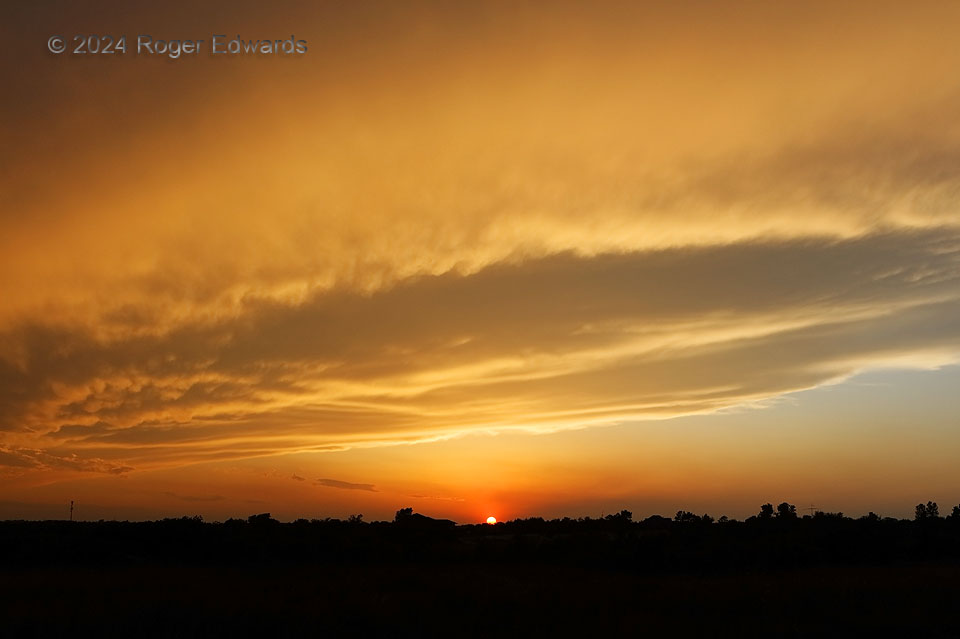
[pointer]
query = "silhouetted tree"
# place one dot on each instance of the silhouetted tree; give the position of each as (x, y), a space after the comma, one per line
(196, 519)
(956, 513)
(402, 514)
(355, 519)
(624, 516)
(766, 511)
(824, 515)
(930, 510)
(656, 521)
(689, 517)
(786, 511)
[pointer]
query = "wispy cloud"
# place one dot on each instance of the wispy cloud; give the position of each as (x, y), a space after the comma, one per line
(335, 483)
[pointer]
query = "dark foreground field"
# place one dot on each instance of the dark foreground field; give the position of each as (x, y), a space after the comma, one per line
(183, 578)
(917, 600)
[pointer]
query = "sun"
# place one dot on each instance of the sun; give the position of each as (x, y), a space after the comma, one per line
(491, 520)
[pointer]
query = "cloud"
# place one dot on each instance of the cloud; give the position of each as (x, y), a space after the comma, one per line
(297, 477)
(558, 342)
(531, 244)
(17, 459)
(40, 459)
(458, 499)
(345, 485)
(506, 156)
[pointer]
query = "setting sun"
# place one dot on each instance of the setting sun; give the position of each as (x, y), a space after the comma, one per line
(291, 293)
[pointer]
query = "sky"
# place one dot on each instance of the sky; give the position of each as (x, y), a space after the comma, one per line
(497, 258)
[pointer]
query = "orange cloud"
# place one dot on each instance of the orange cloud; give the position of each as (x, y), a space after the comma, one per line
(573, 217)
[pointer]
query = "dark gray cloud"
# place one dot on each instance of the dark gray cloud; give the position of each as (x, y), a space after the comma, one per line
(345, 485)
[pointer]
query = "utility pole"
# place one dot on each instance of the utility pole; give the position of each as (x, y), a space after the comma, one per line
(71, 510)
(811, 508)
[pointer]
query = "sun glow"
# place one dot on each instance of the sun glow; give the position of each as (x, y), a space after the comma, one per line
(491, 520)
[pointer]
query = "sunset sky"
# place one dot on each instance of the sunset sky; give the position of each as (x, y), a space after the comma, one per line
(489, 258)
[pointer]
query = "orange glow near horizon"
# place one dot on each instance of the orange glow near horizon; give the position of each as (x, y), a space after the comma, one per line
(467, 259)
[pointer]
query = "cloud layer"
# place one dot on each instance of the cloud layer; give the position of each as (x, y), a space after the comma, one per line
(564, 341)
(572, 218)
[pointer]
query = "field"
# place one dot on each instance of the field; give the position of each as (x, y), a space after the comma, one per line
(184, 578)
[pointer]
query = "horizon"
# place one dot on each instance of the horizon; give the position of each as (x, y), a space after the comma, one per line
(800, 512)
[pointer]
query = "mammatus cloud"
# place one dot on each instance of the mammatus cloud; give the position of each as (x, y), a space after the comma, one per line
(34, 459)
(345, 485)
(561, 342)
